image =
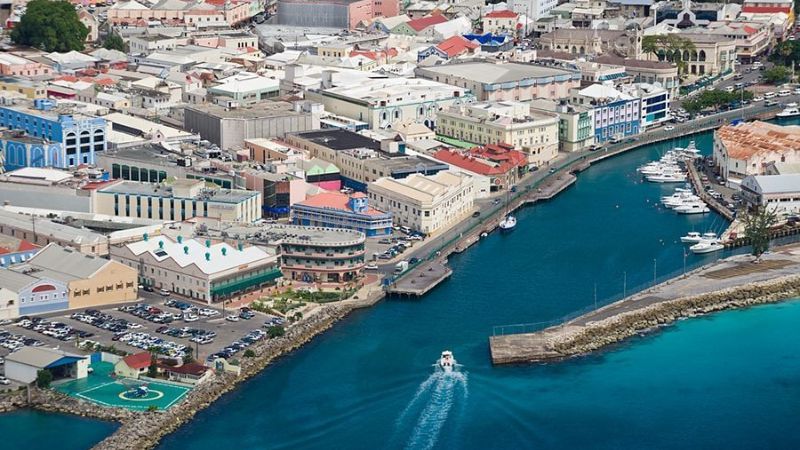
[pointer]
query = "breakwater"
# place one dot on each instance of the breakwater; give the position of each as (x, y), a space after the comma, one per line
(733, 283)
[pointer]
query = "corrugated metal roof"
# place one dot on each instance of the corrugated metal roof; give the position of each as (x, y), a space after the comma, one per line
(778, 184)
(67, 261)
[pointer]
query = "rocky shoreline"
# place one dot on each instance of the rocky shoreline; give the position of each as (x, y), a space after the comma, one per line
(144, 430)
(596, 335)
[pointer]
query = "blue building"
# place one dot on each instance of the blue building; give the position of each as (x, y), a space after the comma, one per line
(492, 43)
(616, 114)
(337, 210)
(46, 135)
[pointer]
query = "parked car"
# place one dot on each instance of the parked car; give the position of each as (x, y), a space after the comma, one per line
(164, 292)
(4, 381)
(476, 214)
(371, 267)
(669, 128)
(232, 318)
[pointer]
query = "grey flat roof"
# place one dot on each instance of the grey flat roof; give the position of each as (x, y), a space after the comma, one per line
(779, 184)
(14, 281)
(486, 72)
(45, 227)
(39, 356)
(296, 234)
(149, 189)
(254, 111)
(48, 197)
(67, 261)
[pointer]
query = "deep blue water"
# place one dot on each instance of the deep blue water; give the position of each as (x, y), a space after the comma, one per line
(730, 381)
(28, 429)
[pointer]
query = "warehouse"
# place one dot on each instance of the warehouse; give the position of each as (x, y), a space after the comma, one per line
(23, 365)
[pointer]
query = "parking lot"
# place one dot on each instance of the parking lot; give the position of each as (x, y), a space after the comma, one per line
(142, 326)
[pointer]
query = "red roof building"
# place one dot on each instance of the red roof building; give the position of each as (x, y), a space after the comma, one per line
(425, 22)
(501, 163)
(338, 210)
(138, 361)
(502, 14)
(457, 46)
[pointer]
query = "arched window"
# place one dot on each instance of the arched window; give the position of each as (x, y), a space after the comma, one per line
(702, 55)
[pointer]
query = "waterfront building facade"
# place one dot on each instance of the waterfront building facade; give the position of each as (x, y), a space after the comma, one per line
(749, 148)
(338, 210)
(654, 101)
(778, 193)
(616, 114)
(575, 123)
(500, 166)
(321, 255)
(427, 204)
(508, 122)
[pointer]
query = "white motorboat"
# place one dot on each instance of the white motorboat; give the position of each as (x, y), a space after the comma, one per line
(508, 223)
(692, 208)
(692, 237)
(667, 177)
(680, 200)
(710, 235)
(658, 168)
(691, 151)
(707, 246)
(789, 112)
(447, 362)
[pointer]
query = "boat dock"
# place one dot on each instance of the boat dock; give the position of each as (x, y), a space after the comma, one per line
(525, 343)
(421, 279)
(716, 205)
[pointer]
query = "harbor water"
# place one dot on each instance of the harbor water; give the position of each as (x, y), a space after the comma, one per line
(731, 380)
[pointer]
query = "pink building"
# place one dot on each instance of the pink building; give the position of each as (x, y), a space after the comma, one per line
(15, 66)
(209, 13)
(385, 8)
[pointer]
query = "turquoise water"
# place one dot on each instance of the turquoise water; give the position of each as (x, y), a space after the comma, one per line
(727, 381)
(730, 381)
(28, 429)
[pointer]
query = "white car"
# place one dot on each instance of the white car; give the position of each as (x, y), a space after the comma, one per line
(669, 128)
(758, 98)
(4, 381)
(232, 318)
(190, 318)
(371, 267)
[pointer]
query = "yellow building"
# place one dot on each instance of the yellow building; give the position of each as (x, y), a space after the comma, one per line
(177, 200)
(30, 89)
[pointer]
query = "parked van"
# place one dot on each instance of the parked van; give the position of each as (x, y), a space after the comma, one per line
(769, 95)
(784, 93)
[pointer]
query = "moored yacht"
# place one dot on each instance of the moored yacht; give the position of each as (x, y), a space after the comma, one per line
(692, 237)
(692, 208)
(446, 361)
(789, 111)
(667, 177)
(508, 223)
(707, 246)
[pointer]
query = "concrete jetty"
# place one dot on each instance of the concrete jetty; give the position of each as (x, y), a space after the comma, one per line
(716, 205)
(424, 277)
(730, 283)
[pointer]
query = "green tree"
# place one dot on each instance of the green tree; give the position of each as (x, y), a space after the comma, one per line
(249, 353)
(777, 75)
(114, 42)
(43, 378)
(757, 224)
(52, 26)
(275, 331)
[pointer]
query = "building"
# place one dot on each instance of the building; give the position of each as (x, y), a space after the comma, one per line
(418, 26)
(752, 38)
(500, 165)
(654, 101)
(575, 123)
(342, 14)
(508, 122)
(616, 114)
(489, 81)
(643, 71)
(492, 43)
(454, 47)
(749, 148)
(778, 193)
(133, 366)
(320, 255)
(14, 251)
(15, 66)
(360, 159)
(338, 210)
(78, 135)
(207, 272)
(28, 89)
(500, 21)
(246, 88)
(228, 127)
(178, 200)
(427, 204)
(23, 366)
(713, 54)
(187, 373)
(60, 278)
(533, 9)
(624, 43)
(385, 101)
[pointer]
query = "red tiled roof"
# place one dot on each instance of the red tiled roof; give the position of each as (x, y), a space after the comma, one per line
(766, 9)
(501, 14)
(480, 159)
(335, 200)
(749, 29)
(424, 22)
(138, 360)
(25, 246)
(188, 368)
(456, 45)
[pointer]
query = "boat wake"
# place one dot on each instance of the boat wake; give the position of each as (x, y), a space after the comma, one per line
(429, 409)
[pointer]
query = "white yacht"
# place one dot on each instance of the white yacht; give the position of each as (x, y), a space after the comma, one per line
(789, 111)
(447, 362)
(508, 223)
(707, 246)
(710, 236)
(667, 177)
(658, 168)
(680, 200)
(692, 208)
(692, 237)
(690, 151)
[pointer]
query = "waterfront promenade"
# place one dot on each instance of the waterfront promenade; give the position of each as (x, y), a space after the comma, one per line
(728, 283)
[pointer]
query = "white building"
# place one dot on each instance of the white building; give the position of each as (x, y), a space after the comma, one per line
(507, 122)
(749, 148)
(535, 9)
(383, 102)
(779, 193)
(203, 271)
(654, 101)
(425, 203)
(22, 366)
